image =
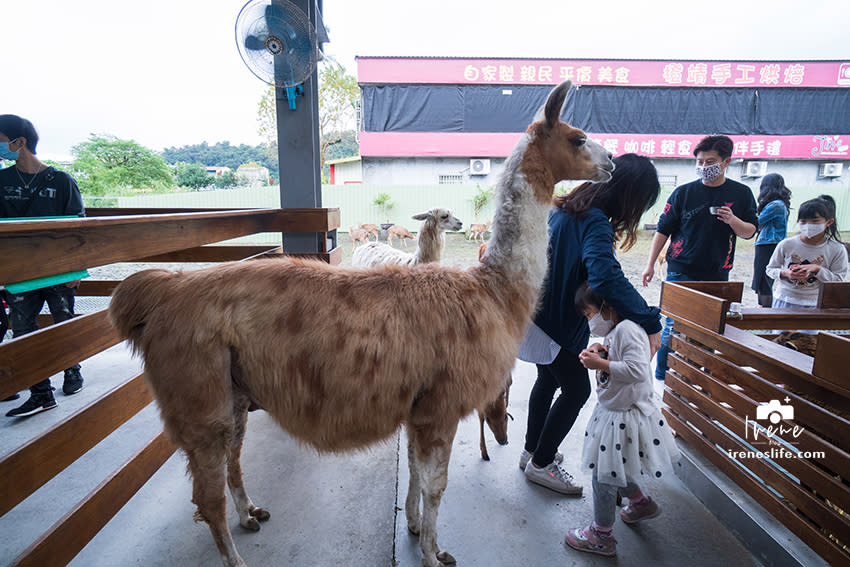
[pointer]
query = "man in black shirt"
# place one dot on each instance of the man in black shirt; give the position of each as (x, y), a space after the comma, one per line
(30, 188)
(702, 219)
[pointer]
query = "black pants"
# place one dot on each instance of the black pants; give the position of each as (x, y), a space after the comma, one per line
(549, 423)
(4, 319)
(25, 307)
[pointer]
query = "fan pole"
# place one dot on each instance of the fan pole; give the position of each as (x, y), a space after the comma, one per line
(298, 152)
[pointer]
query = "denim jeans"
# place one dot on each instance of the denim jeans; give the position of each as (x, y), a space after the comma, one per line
(664, 350)
(25, 307)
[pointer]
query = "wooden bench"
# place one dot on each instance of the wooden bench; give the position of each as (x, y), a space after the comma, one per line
(721, 373)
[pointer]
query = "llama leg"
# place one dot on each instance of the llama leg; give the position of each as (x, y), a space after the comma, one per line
(414, 488)
(250, 516)
(432, 452)
(207, 467)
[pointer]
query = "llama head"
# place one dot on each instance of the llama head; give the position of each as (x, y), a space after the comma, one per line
(566, 151)
(442, 219)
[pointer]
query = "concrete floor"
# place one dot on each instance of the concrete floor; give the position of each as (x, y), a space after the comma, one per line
(347, 509)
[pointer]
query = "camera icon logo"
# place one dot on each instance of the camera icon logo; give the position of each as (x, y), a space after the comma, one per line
(774, 411)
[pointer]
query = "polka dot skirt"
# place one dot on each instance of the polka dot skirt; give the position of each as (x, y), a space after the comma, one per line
(620, 445)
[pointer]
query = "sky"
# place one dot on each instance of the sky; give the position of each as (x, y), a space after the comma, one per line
(168, 72)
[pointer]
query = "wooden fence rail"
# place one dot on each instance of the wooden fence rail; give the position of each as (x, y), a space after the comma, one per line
(34, 249)
(774, 420)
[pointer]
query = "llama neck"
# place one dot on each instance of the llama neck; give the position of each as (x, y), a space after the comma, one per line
(519, 234)
(430, 246)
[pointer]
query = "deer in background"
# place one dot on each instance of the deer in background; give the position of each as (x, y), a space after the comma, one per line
(357, 235)
(370, 228)
(221, 339)
(476, 231)
(400, 232)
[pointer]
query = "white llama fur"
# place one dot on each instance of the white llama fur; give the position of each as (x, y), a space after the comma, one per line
(221, 339)
(431, 240)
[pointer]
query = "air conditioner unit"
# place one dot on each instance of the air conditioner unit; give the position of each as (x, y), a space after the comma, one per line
(830, 169)
(479, 166)
(755, 169)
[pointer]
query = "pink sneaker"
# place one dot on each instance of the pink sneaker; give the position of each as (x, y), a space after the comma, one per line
(589, 540)
(633, 513)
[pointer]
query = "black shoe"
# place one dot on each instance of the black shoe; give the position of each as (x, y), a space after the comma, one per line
(37, 403)
(73, 382)
(11, 398)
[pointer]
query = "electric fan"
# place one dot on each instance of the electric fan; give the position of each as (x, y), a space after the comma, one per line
(278, 44)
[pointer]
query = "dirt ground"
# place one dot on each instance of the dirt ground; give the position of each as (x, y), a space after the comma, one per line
(464, 253)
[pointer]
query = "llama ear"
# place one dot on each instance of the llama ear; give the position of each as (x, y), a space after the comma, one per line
(551, 111)
(421, 216)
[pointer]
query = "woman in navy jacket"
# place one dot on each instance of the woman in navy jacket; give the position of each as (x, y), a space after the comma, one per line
(774, 203)
(584, 227)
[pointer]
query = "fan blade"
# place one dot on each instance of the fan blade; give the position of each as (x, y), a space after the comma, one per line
(255, 43)
(274, 11)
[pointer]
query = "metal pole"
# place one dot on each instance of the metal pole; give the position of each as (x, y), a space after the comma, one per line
(298, 152)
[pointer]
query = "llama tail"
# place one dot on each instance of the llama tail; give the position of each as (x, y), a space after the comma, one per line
(134, 300)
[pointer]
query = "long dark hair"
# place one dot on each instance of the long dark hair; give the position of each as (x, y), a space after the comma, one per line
(823, 206)
(624, 198)
(773, 189)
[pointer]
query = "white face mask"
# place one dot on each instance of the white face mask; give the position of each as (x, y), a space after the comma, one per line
(709, 172)
(811, 230)
(599, 326)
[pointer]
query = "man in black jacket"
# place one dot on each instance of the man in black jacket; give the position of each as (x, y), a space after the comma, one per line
(30, 188)
(703, 220)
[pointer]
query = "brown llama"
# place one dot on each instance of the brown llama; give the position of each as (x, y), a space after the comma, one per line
(430, 243)
(218, 340)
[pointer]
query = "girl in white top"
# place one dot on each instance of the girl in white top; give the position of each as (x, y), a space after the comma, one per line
(627, 436)
(800, 264)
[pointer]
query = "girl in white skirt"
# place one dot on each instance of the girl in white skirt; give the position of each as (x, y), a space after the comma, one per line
(627, 436)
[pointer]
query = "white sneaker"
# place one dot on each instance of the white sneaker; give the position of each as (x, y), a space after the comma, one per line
(525, 456)
(554, 478)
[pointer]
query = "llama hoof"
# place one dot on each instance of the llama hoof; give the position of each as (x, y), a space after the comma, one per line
(413, 529)
(251, 524)
(446, 558)
(485, 456)
(260, 513)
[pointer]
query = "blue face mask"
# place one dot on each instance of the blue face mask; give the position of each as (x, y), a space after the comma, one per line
(6, 153)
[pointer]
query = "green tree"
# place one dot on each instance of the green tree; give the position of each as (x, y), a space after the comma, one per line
(338, 96)
(109, 165)
(193, 176)
(227, 180)
(481, 198)
(384, 204)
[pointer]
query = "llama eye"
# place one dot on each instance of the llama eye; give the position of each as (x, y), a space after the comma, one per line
(579, 142)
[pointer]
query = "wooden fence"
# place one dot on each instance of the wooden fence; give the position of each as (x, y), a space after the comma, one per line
(33, 249)
(792, 457)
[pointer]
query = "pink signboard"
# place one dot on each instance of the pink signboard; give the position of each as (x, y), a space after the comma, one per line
(623, 72)
(474, 144)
